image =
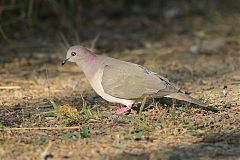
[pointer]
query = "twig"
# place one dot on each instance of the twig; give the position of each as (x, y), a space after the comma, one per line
(9, 87)
(37, 106)
(65, 42)
(42, 128)
(77, 37)
(4, 35)
(30, 9)
(94, 41)
(49, 89)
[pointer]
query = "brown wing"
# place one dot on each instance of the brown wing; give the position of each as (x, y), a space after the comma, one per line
(131, 81)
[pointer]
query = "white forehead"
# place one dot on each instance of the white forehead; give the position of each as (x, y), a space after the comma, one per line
(77, 49)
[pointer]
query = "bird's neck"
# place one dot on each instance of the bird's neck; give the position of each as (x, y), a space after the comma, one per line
(89, 64)
(90, 58)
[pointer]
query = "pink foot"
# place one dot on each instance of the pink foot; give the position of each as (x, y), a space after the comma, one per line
(123, 109)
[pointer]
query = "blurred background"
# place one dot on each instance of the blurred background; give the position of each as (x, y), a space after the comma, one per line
(193, 43)
(119, 24)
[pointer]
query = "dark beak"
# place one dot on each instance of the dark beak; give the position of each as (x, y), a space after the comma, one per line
(65, 61)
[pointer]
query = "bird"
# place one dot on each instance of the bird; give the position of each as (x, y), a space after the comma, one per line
(123, 82)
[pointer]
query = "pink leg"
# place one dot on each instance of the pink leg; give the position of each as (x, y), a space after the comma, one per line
(124, 109)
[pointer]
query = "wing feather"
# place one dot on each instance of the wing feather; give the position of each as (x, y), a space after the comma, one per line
(131, 81)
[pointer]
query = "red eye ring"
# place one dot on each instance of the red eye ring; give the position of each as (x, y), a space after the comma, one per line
(73, 54)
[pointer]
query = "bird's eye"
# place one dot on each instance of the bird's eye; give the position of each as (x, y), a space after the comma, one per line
(73, 53)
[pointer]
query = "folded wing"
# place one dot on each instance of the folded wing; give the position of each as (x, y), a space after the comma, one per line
(131, 81)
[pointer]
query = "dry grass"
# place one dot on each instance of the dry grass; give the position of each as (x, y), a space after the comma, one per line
(47, 110)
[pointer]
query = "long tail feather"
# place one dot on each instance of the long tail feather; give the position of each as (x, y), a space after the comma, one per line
(185, 97)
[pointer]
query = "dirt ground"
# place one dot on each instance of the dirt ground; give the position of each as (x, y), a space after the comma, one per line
(49, 111)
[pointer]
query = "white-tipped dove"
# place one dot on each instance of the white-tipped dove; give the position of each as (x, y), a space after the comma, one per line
(123, 82)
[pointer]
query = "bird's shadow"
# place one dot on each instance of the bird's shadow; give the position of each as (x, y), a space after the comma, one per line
(168, 102)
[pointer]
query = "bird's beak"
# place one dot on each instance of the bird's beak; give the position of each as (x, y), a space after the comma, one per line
(65, 61)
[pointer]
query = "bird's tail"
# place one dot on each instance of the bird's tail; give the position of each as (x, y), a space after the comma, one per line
(185, 97)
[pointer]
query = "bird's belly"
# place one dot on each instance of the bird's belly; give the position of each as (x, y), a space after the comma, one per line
(97, 86)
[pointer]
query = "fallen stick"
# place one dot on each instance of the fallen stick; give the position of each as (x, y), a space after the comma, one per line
(10, 87)
(41, 128)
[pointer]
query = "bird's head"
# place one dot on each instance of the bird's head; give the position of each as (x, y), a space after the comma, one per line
(75, 54)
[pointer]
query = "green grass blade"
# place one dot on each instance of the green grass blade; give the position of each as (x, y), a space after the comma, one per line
(142, 105)
(55, 106)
